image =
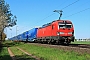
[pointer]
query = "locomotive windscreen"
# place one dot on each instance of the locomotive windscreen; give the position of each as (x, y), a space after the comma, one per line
(65, 25)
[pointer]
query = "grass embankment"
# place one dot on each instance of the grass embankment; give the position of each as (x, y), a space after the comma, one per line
(81, 42)
(4, 55)
(20, 55)
(46, 53)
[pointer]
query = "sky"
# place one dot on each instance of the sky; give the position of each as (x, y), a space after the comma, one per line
(35, 13)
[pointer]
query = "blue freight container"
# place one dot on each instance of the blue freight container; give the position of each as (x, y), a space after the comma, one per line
(10, 38)
(24, 36)
(14, 38)
(32, 34)
(19, 37)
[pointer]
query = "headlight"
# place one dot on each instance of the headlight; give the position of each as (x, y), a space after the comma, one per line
(61, 32)
(58, 33)
(69, 32)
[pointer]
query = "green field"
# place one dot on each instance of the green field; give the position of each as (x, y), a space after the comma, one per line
(81, 42)
(20, 55)
(4, 55)
(45, 53)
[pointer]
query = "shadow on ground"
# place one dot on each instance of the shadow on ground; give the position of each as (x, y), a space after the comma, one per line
(0, 49)
(21, 57)
(5, 57)
(10, 44)
(24, 57)
(80, 45)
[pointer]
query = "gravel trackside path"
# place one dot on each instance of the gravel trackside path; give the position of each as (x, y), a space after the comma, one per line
(11, 54)
(28, 53)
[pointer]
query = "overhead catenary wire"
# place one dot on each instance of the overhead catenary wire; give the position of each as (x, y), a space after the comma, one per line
(79, 6)
(45, 18)
(77, 12)
(62, 9)
(70, 4)
(57, 6)
(62, 3)
(51, 14)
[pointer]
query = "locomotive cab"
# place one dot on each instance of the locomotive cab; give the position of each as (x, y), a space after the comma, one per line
(65, 31)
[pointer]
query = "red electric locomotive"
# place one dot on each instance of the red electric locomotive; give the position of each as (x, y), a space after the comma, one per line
(58, 31)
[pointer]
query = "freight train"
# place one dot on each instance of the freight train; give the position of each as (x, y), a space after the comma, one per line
(58, 31)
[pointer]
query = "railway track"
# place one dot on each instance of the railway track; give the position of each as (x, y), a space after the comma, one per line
(80, 45)
(70, 45)
(79, 48)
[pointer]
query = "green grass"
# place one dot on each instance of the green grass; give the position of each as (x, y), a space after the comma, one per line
(46, 53)
(20, 55)
(81, 42)
(4, 55)
(11, 43)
